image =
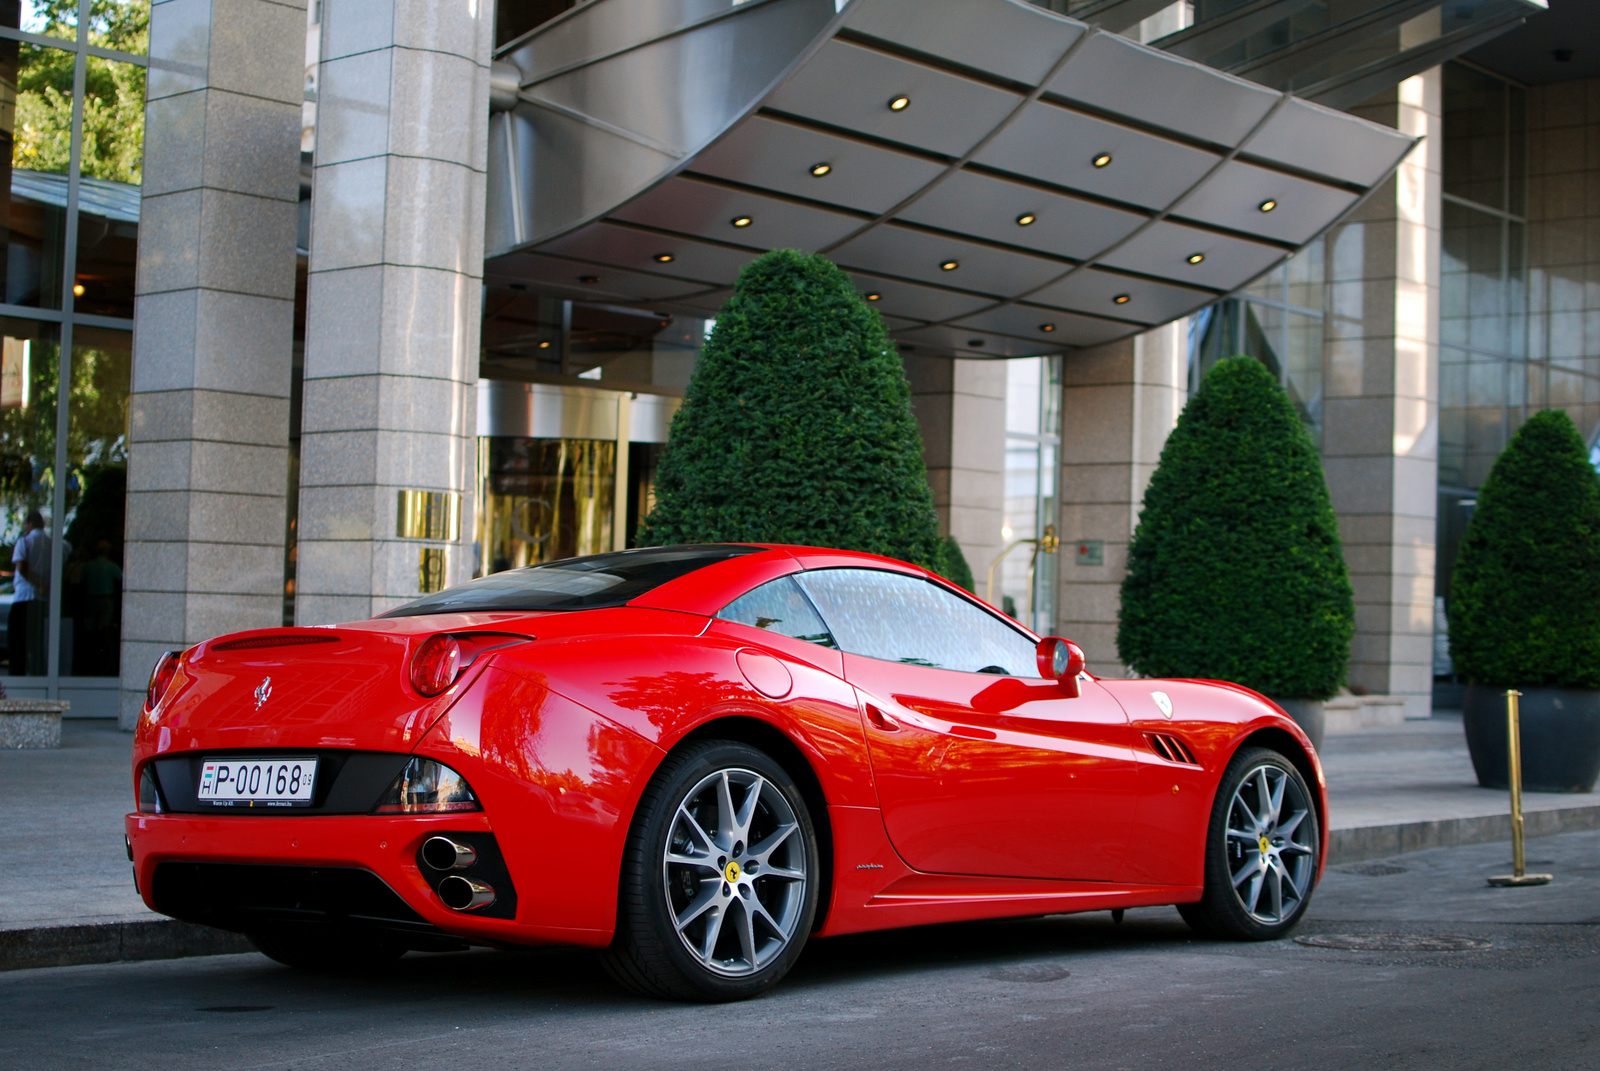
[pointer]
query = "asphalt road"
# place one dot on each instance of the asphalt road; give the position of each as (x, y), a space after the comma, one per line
(1061, 992)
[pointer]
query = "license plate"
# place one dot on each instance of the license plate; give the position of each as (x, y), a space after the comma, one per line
(257, 782)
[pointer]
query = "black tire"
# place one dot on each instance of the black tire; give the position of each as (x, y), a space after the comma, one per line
(648, 955)
(327, 950)
(1285, 861)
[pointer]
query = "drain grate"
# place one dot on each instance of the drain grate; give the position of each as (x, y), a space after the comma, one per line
(1394, 942)
(1372, 870)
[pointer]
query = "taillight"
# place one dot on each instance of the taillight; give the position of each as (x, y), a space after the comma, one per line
(427, 787)
(441, 659)
(161, 678)
(435, 665)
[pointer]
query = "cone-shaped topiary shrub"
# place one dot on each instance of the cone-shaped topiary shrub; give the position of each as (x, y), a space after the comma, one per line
(1525, 596)
(953, 563)
(1235, 572)
(797, 426)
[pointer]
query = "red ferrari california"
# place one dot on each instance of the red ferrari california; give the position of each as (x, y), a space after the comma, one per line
(694, 758)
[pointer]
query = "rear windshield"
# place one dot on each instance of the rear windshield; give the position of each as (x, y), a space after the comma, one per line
(591, 583)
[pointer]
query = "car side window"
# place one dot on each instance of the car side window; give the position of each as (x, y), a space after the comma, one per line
(779, 606)
(901, 618)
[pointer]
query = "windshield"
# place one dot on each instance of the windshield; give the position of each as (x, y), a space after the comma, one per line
(590, 583)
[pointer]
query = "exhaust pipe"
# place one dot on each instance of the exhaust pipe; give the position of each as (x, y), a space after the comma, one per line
(464, 894)
(442, 853)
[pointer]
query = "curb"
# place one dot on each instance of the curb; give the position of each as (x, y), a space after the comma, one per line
(113, 942)
(1380, 842)
(128, 942)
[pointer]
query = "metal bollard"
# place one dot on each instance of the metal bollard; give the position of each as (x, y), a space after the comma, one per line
(1514, 760)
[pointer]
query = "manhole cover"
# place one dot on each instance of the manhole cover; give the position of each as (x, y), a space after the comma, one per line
(1373, 870)
(1029, 972)
(1393, 942)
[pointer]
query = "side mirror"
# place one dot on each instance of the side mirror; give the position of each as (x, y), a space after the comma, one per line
(1061, 661)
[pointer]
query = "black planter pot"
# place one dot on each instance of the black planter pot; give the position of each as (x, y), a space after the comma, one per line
(1560, 737)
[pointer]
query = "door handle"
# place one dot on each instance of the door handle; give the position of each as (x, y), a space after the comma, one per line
(880, 720)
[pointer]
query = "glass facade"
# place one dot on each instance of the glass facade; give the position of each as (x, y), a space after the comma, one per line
(1518, 295)
(1484, 367)
(73, 78)
(1279, 322)
(535, 337)
(1026, 584)
(1484, 373)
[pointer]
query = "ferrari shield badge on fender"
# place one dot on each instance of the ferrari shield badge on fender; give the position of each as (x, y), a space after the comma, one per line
(264, 692)
(1161, 701)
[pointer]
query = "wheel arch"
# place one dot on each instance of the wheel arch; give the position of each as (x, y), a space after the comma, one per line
(768, 738)
(1283, 742)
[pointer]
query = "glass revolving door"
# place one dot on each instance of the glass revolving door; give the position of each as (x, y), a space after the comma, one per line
(544, 499)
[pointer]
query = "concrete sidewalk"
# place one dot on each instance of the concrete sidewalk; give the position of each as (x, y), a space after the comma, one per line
(1409, 787)
(68, 897)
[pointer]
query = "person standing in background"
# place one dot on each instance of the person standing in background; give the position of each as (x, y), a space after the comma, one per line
(30, 604)
(22, 599)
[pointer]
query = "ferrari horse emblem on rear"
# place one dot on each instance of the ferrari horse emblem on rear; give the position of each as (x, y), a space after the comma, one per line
(263, 691)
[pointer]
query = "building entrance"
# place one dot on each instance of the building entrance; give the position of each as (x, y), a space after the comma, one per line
(544, 499)
(563, 471)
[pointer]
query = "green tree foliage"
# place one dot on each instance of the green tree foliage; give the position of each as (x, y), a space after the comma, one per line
(1236, 572)
(113, 104)
(96, 437)
(797, 426)
(953, 565)
(1525, 596)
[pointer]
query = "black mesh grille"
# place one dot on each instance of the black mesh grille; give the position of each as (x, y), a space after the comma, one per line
(246, 897)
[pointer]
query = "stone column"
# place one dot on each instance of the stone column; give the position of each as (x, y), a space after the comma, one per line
(961, 410)
(1119, 402)
(213, 328)
(393, 298)
(1381, 403)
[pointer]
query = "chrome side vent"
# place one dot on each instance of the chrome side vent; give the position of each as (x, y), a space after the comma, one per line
(1171, 748)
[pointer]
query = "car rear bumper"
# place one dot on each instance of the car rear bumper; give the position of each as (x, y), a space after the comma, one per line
(311, 872)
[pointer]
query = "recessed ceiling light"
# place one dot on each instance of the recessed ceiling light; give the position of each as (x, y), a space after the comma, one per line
(975, 342)
(664, 258)
(821, 169)
(899, 104)
(588, 279)
(1047, 327)
(1195, 258)
(741, 221)
(1025, 219)
(874, 297)
(1122, 299)
(950, 265)
(1102, 160)
(544, 345)
(1268, 205)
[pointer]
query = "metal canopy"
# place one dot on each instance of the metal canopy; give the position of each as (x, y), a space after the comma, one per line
(1045, 186)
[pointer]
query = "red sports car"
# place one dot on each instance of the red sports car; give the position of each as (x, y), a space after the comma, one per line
(694, 758)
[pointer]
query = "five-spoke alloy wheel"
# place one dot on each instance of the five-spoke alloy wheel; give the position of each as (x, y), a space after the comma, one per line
(1261, 850)
(719, 883)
